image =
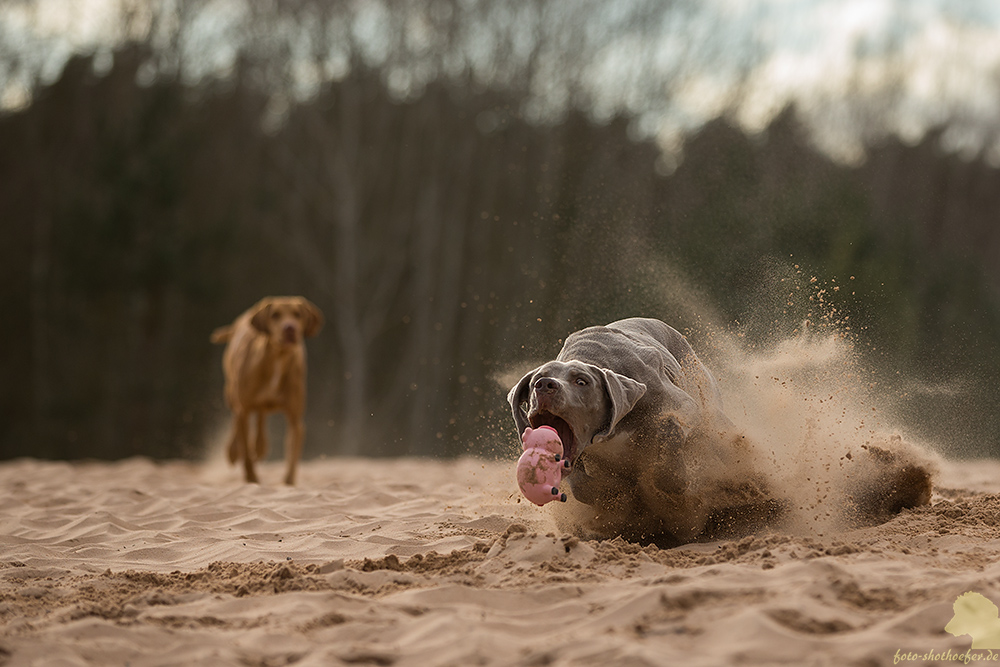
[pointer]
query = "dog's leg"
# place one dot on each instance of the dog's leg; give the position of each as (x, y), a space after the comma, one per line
(294, 436)
(237, 432)
(248, 468)
(239, 445)
(260, 440)
(677, 511)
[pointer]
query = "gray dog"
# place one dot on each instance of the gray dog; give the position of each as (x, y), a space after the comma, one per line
(652, 452)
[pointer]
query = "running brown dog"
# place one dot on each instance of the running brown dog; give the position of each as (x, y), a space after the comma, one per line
(265, 368)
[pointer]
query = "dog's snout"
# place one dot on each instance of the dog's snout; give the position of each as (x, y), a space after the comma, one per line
(289, 333)
(547, 385)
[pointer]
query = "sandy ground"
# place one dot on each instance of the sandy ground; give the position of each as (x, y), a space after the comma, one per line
(415, 562)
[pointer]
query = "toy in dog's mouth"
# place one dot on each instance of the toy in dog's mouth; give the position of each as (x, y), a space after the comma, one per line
(562, 427)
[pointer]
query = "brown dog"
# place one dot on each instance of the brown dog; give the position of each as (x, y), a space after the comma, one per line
(265, 368)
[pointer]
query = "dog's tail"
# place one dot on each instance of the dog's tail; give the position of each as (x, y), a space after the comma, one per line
(222, 334)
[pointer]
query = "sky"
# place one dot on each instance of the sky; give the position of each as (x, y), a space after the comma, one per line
(855, 69)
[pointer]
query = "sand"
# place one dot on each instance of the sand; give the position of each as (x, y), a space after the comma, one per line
(418, 562)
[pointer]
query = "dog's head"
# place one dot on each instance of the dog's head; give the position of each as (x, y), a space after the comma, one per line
(287, 319)
(582, 402)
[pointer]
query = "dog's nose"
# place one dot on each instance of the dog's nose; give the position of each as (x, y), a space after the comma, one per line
(547, 385)
(289, 333)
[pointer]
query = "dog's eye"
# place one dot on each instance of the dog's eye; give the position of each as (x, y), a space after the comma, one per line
(275, 315)
(582, 382)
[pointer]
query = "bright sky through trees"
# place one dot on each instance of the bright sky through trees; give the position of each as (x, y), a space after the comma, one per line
(856, 69)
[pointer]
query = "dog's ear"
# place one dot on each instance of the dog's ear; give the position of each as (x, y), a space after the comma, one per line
(623, 393)
(313, 320)
(517, 398)
(261, 313)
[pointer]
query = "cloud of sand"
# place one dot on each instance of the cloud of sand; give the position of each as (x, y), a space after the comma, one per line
(815, 414)
(808, 402)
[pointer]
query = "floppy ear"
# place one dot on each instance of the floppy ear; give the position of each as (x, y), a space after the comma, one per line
(261, 311)
(314, 319)
(517, 397)
(623, 393)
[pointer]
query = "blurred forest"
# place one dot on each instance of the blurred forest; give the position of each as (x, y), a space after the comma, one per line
(450, 242)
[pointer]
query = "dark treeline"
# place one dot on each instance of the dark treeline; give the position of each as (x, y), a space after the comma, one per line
(449, 244)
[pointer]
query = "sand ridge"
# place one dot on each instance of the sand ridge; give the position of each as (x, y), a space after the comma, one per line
(418, 562)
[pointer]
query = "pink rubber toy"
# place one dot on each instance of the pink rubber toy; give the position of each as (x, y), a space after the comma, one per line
(541, 466)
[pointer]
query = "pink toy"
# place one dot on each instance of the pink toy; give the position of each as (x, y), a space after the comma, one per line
(541, 466)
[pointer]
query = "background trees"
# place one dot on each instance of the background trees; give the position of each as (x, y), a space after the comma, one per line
(453, 195)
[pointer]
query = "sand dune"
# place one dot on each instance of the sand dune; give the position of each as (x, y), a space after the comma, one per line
(414, 562)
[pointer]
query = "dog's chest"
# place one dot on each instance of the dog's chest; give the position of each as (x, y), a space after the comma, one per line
(280, 378)
(609, 456)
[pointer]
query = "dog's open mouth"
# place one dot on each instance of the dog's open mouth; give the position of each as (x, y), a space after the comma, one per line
(561, 426)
